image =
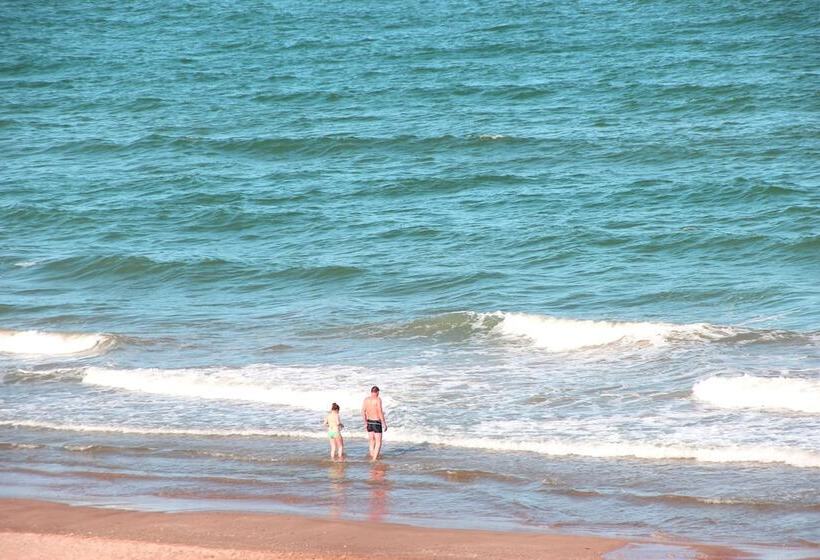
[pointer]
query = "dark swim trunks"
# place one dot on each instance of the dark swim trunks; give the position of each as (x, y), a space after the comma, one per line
(374, 426)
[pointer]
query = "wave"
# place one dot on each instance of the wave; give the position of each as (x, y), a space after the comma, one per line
(6, 445)
(766, 393)
(199, 270)
(309, 146)
(245, 384)
(556, 448)
(725, 501)
(97, 448)
(474, 475)
(556, 334)
(130, 267)
(560, 335)
(42, 375)
(300, 146)
(54, 343)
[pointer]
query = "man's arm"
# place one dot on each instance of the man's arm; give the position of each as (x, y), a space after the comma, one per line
(364, 412)
(381, 415)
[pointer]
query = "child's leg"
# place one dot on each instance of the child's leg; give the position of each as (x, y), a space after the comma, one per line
(332, 448)
(340, 446)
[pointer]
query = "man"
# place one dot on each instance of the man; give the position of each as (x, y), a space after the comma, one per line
(374, 421)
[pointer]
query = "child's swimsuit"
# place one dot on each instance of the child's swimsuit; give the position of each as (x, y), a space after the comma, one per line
(332, 434)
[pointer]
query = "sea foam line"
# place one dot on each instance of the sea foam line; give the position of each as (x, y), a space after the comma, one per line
(639, 450)
(765, 393)
(139, 430)
(607, 450)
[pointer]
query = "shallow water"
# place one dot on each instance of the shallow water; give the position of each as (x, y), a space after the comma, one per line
(576, 246)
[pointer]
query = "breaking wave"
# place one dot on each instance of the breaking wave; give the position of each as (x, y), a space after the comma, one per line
(38, 343)
(555, 334)
(561, 335)
(766, 393)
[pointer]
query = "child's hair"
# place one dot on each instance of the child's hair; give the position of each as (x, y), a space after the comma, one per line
(334, 406)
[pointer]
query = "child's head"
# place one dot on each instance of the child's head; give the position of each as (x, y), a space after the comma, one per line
(334, 407)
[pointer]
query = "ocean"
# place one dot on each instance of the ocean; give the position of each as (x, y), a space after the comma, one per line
(577, 245)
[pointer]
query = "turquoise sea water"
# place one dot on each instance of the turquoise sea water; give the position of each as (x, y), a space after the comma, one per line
(576, 244)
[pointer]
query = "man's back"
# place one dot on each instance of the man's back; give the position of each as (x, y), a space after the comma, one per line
(372, 408)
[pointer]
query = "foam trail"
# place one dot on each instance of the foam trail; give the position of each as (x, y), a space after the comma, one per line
(766, 393)
(561, 335)
(52, 343)
(164, 431)
(243, 384)
(626, 450)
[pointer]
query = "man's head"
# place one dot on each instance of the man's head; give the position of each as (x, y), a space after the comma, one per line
(374, 391)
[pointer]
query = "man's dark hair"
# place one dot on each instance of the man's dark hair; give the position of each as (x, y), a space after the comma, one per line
(374, 389)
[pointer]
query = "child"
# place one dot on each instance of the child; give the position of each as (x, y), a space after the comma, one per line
(334, 432)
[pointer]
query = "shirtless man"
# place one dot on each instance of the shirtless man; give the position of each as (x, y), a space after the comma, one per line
(374, 422)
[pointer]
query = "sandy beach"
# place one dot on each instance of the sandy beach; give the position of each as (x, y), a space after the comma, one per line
(37, 530)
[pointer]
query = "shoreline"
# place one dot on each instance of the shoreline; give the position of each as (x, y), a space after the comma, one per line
(37, 529)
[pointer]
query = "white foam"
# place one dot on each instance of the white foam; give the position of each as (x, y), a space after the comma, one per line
(252, 383)
(766, 393)
(561, 335)
(637, 450)
(52, 343)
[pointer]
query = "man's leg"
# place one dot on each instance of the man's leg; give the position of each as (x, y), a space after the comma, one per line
(377, 446)
(372, 443)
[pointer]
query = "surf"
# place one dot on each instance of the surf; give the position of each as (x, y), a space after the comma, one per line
(556, 334)
(550, 333)
(783, 394)
(256, 383)
(39, 343)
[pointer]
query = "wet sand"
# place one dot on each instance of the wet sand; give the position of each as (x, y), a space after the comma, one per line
(39, 530)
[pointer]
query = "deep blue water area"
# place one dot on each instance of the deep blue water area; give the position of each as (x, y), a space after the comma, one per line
(626, 161)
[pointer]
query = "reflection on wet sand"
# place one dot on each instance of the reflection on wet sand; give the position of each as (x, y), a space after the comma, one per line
(336, 474)
(378, 491)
